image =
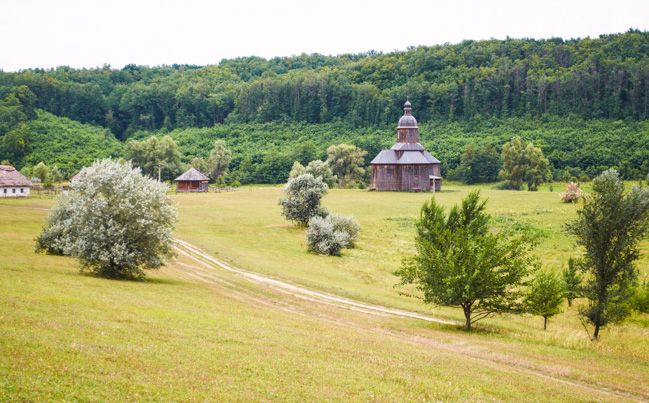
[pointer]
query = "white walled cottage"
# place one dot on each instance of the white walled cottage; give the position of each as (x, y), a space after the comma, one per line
(13, 183)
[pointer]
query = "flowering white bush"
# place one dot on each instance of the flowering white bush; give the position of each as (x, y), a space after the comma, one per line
(323, 238)
(346, 224)
(115, 220)
(302, 201)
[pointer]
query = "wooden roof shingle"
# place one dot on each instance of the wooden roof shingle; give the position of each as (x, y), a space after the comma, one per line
(192, 174)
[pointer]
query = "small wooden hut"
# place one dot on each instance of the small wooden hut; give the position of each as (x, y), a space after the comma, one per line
(13, 183)
(407, 166)
(192, 181)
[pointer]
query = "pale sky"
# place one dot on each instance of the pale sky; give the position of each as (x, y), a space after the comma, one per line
(90, 33)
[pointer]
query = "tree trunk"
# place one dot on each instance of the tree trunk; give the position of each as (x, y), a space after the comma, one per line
(467, 317)
(596, 332)
(159, 171)
(569, 302)
(545, 323)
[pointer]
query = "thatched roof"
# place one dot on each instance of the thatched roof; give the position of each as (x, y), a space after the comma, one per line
(9, 176)
(192, 174)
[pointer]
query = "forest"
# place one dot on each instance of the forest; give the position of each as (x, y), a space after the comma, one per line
(585, 102)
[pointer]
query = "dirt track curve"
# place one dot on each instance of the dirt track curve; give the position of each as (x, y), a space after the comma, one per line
(209, 273)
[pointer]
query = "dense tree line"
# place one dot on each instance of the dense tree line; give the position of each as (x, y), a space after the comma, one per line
(605, 77)
(583, 102)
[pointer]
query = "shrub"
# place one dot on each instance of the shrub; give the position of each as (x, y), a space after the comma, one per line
(116, 221)
(640, 299)
(322, 237)
(302, 201)
(346, 224)
(572, 193)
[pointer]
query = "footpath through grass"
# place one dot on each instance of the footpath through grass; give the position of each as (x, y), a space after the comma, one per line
(67, 336)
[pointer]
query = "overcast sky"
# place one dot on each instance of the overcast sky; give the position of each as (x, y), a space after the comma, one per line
(90, 33)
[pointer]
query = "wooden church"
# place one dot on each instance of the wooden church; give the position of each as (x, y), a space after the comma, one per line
(407, 166)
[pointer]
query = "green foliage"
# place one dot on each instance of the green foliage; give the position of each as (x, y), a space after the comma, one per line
(218, 162)
(302, 201)
(346, 162)
(479, 165)
(98, 223)
(200, 164)
(524, 163)
(316, 168)
(609, 227)
(460, 262)
(68, 144)
(296, 170)
(545, 295)
(42, 172)
(640, 299)
(514, 163)
(572, 279)
(15, 144)
(157, 157)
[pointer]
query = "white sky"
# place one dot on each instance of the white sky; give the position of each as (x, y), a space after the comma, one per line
(90, 33)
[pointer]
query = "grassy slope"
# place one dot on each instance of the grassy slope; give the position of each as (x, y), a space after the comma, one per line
(68, 143)
(70, 336)
(245, 228)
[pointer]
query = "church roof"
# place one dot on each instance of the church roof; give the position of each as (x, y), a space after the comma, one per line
(9, 176)
(407, 147)
(390, 157)
(407, 120)
(192, 174)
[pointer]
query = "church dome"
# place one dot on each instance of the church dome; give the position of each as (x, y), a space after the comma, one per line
(407, 120)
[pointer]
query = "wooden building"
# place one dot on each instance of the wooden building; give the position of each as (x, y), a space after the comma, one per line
(192, 181)
(407, 166)
(13, 183)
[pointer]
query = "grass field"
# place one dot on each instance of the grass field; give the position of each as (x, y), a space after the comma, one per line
(195, 333)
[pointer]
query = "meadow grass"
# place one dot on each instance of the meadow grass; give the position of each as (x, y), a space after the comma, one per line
(72, 336)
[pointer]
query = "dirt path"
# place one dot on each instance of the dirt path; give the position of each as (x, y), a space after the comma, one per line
(483, 355)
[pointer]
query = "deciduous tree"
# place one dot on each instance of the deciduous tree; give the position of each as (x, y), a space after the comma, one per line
(218, 162)
(302, 201)
(115, 220)
(460, 262)
(346, 162)
(609, 227)
(545, 295)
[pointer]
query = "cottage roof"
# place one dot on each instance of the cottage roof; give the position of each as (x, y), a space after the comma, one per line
(9, 176)
(407, 147)
(192, 174)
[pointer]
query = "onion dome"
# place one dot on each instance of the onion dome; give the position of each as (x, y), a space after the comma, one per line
(407, 120)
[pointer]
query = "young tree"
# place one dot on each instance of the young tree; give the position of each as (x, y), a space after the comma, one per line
(460, 262)
(56, 175)
(572, 280)
(524, 163)
(545, 295)
(219, 161)
(296, 170)
(42, 172)
(97, 222)
(316, 168)
(514, 158)
(572, 193)
(346, 162)
(609, 227)
(302, 201)
(538, 168)
(158, 158)
(479, 165)
(200, 164)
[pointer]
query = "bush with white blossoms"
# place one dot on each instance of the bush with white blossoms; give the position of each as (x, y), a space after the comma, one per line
(302, 201)
(115, 220)
(329, 235)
